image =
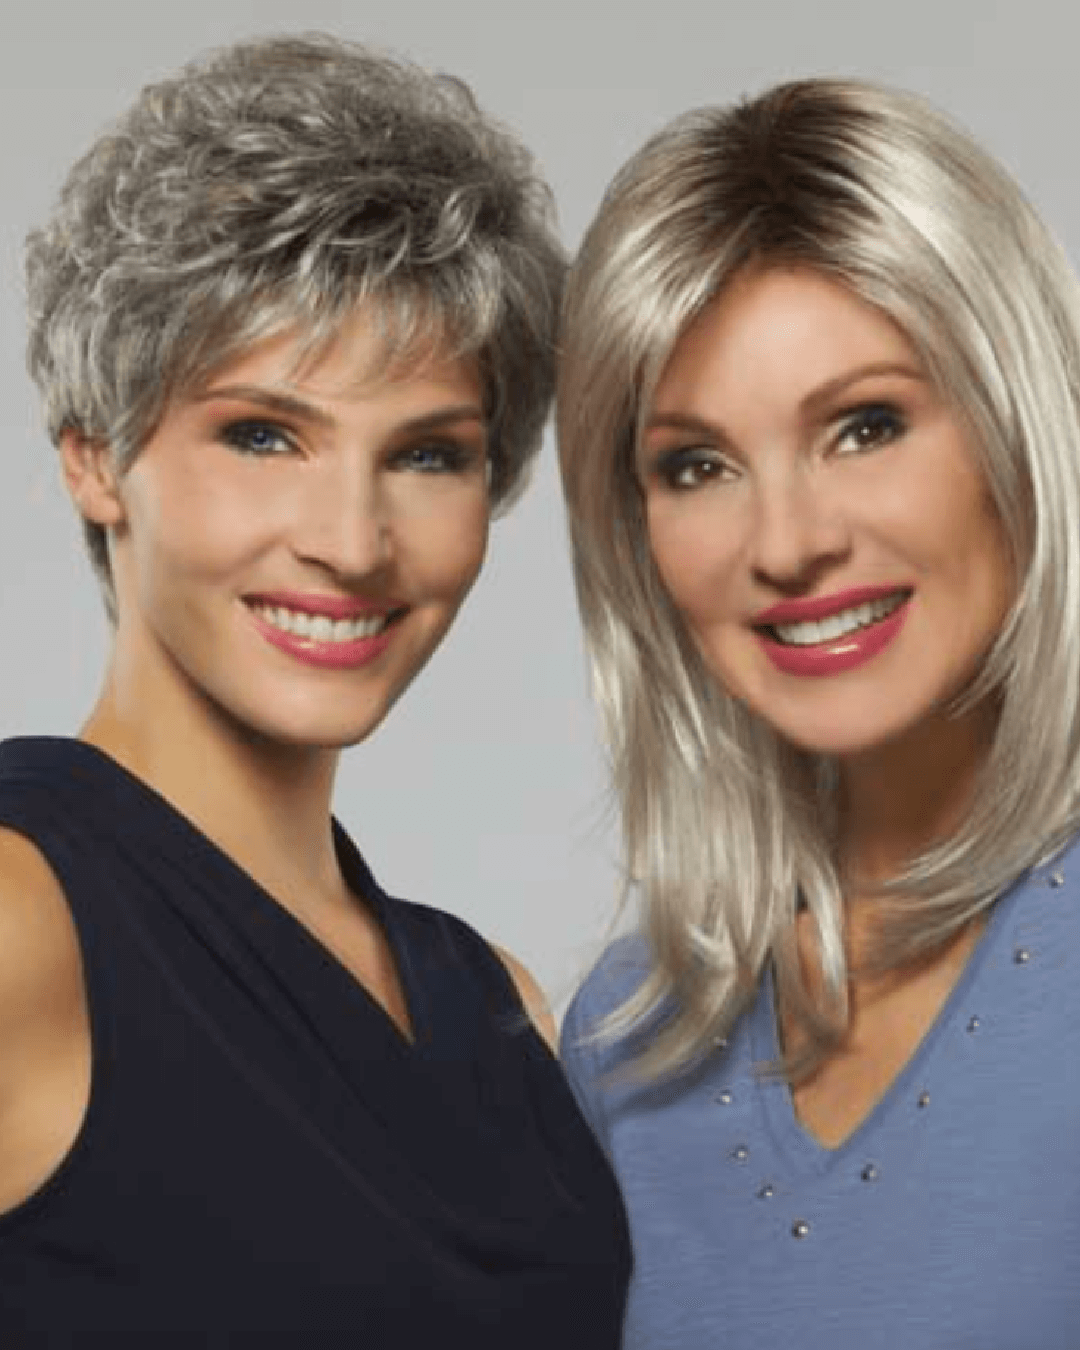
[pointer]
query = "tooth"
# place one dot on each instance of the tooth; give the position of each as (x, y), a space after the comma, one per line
(321, 628)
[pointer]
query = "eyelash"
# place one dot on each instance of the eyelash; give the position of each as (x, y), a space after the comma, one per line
(239, 436)
(689, 467)
(449, 457)
(884, 422)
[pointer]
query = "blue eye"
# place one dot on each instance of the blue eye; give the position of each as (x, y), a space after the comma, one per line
(868, 427)
(256, 438)
(436, 457)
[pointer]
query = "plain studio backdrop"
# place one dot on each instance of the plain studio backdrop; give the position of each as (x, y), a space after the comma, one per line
(485, 791)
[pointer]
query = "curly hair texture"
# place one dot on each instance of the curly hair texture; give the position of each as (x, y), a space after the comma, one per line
(727, 828)
(278, 183)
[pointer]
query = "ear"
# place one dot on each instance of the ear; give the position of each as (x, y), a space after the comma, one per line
(91, 477)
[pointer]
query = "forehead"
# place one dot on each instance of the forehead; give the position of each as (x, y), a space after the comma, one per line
(359, 357)
(781, 328)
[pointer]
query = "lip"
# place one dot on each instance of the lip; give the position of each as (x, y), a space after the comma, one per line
(817, 607)
(318, 652)
(328, 606)
(840, 654)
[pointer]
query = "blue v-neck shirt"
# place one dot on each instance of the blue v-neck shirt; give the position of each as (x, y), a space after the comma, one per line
(949, 1220)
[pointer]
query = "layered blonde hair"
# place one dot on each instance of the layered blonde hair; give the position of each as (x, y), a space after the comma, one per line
(728, 828)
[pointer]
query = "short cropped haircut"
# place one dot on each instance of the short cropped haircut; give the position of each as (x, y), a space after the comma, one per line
(280, 182)
(727, 827)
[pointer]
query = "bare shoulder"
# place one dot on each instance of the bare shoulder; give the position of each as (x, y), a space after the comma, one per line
(532, 996)
(37, 937)
(44, 1030)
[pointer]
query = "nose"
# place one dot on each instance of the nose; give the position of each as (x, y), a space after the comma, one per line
(799, 531)
(345, 526)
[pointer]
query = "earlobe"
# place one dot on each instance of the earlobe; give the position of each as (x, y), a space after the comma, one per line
(91, 477)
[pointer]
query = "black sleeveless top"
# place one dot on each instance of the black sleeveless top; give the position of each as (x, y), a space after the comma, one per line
(265, 1160)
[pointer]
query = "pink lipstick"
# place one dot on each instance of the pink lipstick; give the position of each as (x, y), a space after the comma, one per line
(870, 633)
(335, 633)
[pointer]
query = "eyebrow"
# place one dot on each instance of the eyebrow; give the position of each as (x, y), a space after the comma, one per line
(291, 406)
(824, 393)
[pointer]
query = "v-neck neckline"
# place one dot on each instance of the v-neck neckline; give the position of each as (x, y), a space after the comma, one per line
(801, 1149)
(184, 836)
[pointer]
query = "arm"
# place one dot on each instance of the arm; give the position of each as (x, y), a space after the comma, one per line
(44, 1032)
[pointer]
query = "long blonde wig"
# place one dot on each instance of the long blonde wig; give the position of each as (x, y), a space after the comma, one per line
(727, 828)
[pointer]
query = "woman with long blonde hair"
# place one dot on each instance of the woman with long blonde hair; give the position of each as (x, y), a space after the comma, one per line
(820, 438)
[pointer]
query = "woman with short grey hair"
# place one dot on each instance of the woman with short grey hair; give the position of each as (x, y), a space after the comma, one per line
(292, 320)
(820, 437)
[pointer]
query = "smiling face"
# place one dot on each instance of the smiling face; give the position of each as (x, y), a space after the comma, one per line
(818, 517)
(294, 540)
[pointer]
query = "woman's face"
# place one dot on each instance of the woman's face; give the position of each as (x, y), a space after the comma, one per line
(292, 542)
(818, 516)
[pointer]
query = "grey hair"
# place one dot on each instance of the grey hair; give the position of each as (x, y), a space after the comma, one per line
(280, 182)
(727, 828)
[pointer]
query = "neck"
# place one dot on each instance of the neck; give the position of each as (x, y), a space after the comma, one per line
(265, 804)
(901, 799)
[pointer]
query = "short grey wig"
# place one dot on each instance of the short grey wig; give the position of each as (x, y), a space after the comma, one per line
(280, 182)
(728, 828)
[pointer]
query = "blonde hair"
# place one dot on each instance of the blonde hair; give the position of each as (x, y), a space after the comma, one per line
(727, 828)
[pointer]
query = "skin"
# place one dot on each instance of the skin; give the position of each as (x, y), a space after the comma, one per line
(327, 478)
(795, 448)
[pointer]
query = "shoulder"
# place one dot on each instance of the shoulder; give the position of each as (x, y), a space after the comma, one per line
(614, 978)
(533, 998)
(589, 1058)
(44, 1031)
(37, 937)
(40, 962)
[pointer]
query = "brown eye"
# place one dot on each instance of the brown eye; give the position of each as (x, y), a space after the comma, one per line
(868, 427)
(691, 467)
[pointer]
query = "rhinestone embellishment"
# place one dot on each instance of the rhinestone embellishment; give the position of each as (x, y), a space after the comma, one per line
(800, 1228)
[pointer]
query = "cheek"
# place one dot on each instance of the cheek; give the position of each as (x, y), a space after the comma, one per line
(694, 567)
(446, 547)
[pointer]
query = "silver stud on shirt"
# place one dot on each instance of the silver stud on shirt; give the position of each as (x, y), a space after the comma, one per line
(800, 1228)
(741, 1153)
(1021, 956)
(869, 1172)
(1056, 880)
(724, 1098)
(973, 1024)
(924, 1101)
(766, 1192)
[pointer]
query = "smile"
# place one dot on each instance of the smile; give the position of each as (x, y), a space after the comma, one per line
(319, 627)
(809, 634)
(326, 641)
(830, 643)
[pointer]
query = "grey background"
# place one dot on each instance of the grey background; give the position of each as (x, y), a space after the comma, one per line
(484, 792)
